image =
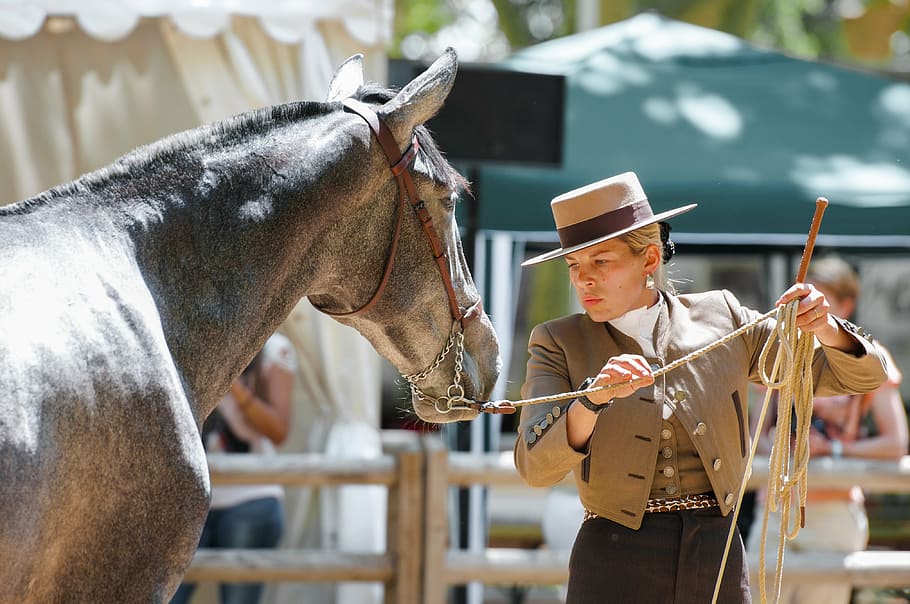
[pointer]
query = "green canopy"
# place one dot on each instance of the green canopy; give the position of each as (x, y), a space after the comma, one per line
(752, 136)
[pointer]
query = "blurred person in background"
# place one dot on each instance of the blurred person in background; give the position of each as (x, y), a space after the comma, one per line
(868, 426)
(253, 417)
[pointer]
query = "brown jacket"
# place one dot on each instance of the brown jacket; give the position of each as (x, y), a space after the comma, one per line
(709, 395)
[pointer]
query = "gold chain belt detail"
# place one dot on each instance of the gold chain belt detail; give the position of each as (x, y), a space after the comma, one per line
(672, 504)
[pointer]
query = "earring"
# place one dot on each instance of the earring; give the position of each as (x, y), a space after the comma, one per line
(649, 281)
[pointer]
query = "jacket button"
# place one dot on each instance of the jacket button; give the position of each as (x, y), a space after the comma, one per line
(538, 430)
(550, 418)
(701, 429)
(717, 464)
(728, 499)
(671, 489)
(667, 452)
(532, 438)
(679, 395)
(669, 471)
(666, 434)
(557, 411)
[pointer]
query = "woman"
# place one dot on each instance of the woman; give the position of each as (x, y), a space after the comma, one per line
(868, 426)
(657, 462)
(253, 417)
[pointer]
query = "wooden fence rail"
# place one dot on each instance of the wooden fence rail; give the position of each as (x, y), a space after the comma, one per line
(400, 468)
(464, 469)
(516, 566)
(418, 566)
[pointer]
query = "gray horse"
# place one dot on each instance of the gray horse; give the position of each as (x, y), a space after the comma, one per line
(134, 295)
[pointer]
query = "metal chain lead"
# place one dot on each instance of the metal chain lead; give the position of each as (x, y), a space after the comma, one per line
(419, 377)
(455, 391)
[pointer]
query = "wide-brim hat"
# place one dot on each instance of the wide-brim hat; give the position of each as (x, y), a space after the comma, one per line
(599, 211)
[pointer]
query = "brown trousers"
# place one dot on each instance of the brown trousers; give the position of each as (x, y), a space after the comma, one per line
(673, 558)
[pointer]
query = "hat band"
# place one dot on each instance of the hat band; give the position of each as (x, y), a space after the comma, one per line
(604, 224)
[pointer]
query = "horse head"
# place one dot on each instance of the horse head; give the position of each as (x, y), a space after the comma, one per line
(421, 309)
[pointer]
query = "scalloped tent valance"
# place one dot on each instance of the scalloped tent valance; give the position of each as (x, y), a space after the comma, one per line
(287, 21)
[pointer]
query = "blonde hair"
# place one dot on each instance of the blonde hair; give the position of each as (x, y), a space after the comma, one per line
(638, 241)
(836, 275)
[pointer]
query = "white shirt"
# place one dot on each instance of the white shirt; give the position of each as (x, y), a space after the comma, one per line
(639, 324)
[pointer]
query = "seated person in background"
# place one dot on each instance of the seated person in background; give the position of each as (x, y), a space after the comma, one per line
(871, 426)
(253, 417)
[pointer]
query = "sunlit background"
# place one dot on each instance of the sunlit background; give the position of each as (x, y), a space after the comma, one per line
(874, 33)
(82, 83)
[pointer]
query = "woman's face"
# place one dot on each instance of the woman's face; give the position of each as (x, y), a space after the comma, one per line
(610, 280)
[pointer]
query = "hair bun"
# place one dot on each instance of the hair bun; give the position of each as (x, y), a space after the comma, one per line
(669, 246)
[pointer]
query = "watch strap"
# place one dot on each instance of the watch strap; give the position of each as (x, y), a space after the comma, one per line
(588, 403)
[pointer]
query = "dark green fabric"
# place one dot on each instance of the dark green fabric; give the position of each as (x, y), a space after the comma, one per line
(750, 135)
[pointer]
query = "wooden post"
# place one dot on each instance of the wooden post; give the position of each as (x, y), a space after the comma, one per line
(405, 523)
(436, 518)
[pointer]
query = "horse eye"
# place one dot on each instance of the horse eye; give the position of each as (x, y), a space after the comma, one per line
(449, 203)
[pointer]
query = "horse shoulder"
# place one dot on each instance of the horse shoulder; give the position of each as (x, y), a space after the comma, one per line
(99, 448)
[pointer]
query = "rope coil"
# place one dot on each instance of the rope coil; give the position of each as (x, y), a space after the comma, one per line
(791, 375)
(788, 476)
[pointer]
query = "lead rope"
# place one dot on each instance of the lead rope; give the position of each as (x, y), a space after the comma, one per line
(788, 476)
(791, 375)
(657, 373)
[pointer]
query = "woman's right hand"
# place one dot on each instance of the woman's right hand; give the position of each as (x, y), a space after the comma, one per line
(631, 371)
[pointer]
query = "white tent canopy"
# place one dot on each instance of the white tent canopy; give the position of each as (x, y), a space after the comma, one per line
(287, 21)
(84, 81)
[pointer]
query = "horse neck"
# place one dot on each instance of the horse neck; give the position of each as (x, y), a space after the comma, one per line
(227, 263)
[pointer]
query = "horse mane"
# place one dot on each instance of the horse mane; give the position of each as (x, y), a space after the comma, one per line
(225, 132)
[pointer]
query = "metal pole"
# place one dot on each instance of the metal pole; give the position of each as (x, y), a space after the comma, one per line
(587, 15)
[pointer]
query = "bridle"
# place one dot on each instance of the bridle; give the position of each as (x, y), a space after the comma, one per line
(400, 164)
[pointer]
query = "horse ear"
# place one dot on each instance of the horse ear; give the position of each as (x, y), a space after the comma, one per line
(422, 97)
(347, 79)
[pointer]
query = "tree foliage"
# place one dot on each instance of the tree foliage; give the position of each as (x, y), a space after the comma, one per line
(873, 32)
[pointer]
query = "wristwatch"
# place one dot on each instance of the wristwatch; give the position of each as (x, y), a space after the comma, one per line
(591, 405)
(588, 403)
(837, 448)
